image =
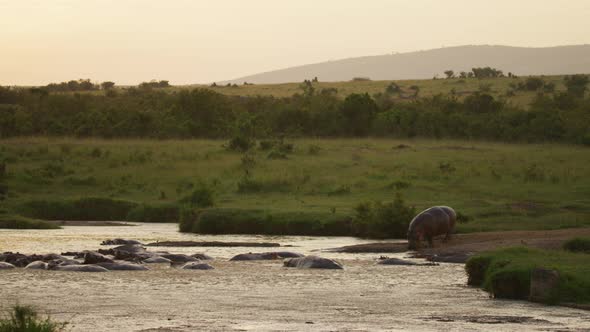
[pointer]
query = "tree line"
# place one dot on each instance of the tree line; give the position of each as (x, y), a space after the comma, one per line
(204, 113)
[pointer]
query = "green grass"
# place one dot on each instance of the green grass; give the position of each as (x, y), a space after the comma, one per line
(26, 319)
(580, 244)
(510, 268)
(19, 222)
(499, 186)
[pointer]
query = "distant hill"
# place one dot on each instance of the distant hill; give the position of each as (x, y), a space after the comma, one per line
(425, 64)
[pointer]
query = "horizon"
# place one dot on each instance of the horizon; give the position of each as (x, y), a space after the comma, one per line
(199, 43)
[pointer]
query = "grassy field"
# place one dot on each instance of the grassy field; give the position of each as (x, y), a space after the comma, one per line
(499, 186)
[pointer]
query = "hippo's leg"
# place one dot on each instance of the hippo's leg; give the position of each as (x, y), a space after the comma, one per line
(430, 242)
(447, 237)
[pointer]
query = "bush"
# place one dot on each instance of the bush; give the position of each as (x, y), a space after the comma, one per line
(506, 273)
(89, 208)
(18, 222)
(241, 144)
(579, 244)
(26, 319)
(252, 221)
(202, 196)
(154, 213)
(383, 220)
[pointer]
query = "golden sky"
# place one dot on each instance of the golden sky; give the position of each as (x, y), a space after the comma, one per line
(130, 41)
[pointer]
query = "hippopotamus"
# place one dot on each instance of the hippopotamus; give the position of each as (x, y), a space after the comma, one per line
(179, 258)
(265, 256)
(37, 265)
(94, 258)
(312, 262)
(397, 261)
(255, 256)
(197, 266)
(119, 242)
(202, 257)
(156, 259)
(6, 266)
(437, 220)
(80, 268)
(117, 266)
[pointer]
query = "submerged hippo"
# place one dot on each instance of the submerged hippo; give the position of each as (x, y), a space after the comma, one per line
(197, 266)
(397, 261)
(255, 256)
(156, 260)
(123, 266)
(37, 265)
(6, 266)
(80, 268)
(437, 220)
(117, 242)
(312, 262)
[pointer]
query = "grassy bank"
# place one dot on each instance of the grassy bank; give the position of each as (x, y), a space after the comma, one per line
(248, 221)
(19, 222)
(498, 186)
(506, 273)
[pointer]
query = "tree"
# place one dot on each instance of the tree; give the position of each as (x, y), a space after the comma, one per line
(576, 84)
(463, 74)
(450, 74)
(358, 112)
(107, 85)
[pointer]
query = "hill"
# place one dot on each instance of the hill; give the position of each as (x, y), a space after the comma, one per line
(426, 64)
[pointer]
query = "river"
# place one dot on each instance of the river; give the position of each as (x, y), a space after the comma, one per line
(261, 295)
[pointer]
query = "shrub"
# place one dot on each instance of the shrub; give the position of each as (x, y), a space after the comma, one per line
(18, 222)
(383, 220)
(241, 143)
(154, 213)
(579, 244)
(253, 221)
(88, 208)
(26, 319)
(313, 149)
(202, 196)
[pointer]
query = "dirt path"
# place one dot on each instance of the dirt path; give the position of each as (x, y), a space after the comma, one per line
(463, 245)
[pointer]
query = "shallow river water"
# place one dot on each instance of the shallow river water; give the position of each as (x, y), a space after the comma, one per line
(262, 295)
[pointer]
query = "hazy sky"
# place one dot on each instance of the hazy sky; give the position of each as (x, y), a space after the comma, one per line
(129, 41)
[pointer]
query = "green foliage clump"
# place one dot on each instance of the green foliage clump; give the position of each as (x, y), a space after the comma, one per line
(253, 221)
(579, 244)
(26, 319)
(12, 221)
(88, 208)
(154, 213)
(506, 273)
(202, 196)
(383, 220)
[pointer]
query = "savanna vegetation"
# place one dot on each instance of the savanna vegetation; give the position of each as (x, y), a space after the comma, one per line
(243, 161)
(506, 273)
(556, 110)
(26, 319)
(366, 187)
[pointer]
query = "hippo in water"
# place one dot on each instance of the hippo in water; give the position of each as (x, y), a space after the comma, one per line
(312, 262)
(6, 266)
(437, 220)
